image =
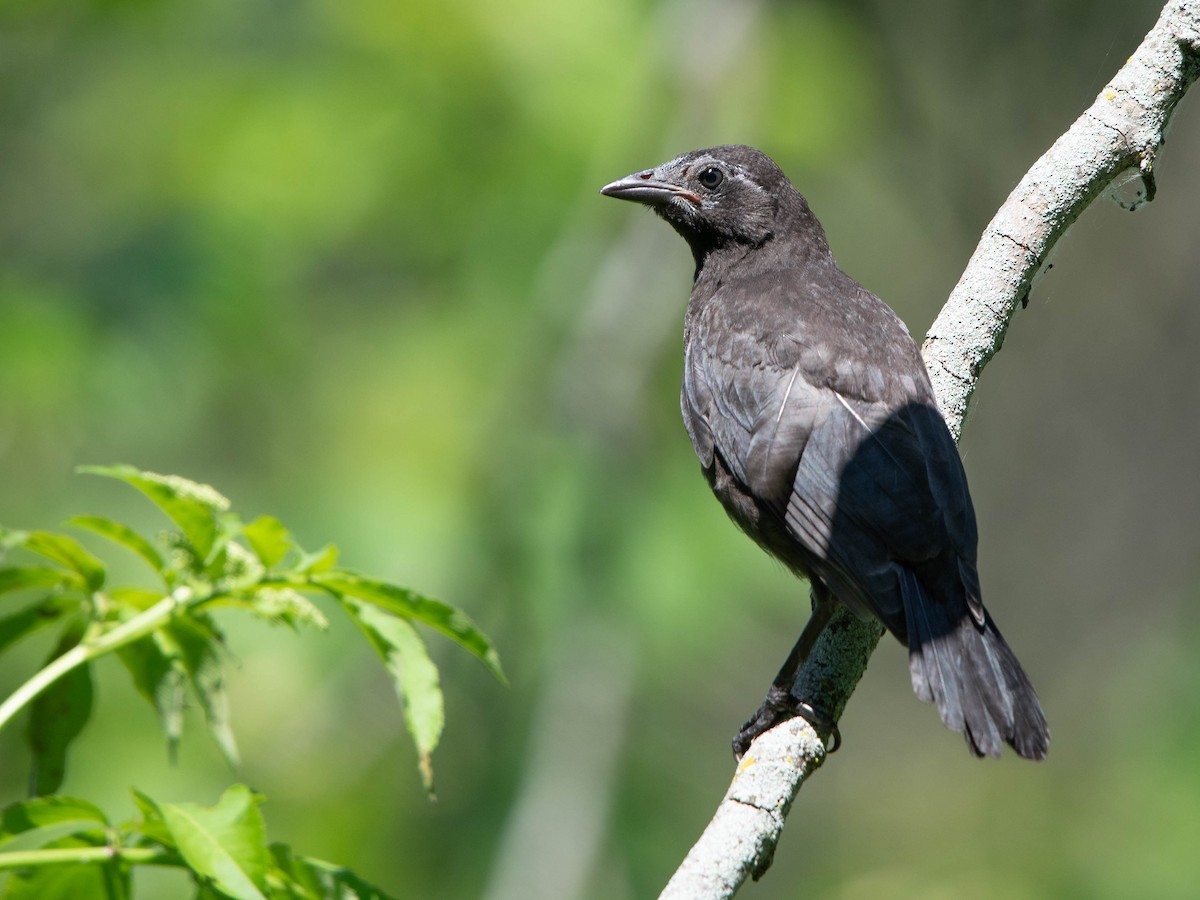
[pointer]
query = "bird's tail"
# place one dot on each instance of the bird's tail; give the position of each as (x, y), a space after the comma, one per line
(967, 669)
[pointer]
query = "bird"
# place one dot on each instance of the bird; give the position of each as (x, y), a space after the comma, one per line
(817, 428)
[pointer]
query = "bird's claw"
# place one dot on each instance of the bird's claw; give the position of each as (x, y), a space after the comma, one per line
(779, 707)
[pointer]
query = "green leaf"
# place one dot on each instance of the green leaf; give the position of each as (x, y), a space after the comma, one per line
(413, 674)
(160, 681)
(57, 716)
(42, 812)
(152, 824)
(20, 578)
(71, 882)
(194, 645)
(194, 507)
(185, 651)
(269, 539)
(123, 535)
(226, 843)
(32, 618)
(321, 561)
(305, 878)
(67, 552)
(411, 605)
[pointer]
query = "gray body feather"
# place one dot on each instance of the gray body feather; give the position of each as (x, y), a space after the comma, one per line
(816, 425)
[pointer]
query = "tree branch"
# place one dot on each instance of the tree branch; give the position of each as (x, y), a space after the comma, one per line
(1121, 132)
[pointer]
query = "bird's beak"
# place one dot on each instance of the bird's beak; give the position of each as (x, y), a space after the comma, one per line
(643, 187)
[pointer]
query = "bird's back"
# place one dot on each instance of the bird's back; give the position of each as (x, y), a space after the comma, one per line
(784, 346)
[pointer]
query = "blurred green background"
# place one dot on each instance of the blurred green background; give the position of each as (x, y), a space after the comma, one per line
(346, 261)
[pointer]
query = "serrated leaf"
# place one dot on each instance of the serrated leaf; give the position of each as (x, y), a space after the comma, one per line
(194, 507)
(194, 644)
(225, 843)
(69, 553)
(57, 716)
(71, 882)
(42, 812)
(305, 878)
(410, 605)
(123, 535)
(32, 618)
(186, 651)
(413, 673)
(20, 578)
(269, 539)
(156, 678)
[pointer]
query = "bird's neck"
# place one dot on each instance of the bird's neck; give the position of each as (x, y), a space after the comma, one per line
(715, 260)
(788, 251)
(794, 240)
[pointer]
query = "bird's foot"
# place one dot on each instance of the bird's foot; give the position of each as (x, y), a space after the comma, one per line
(780, 706)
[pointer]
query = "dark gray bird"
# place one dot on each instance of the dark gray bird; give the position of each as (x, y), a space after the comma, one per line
(816, 426)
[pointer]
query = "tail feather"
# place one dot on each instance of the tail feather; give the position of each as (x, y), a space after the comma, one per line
(972, 675)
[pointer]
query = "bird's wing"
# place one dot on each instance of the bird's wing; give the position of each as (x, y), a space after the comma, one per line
(864, 479)
(899, 498)
(756, 414)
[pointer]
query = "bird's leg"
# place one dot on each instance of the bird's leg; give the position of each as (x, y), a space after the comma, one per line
(780, 704)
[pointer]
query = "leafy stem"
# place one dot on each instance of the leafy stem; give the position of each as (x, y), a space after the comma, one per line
(108, 641)
(168, 639)
(55, 856)
(212, 560)
(127, 632)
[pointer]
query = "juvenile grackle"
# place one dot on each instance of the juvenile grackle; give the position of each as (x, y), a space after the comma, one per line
(816, 426)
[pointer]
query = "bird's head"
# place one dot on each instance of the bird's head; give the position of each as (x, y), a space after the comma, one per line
(720, 196)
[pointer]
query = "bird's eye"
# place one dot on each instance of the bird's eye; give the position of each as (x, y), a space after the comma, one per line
(711, 177)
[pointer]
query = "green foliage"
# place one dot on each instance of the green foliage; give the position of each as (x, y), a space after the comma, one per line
(66, 876)
(57, 716)
(43, 812)
(224, 844)
(224, 847)
(169, 641)
(413, 672)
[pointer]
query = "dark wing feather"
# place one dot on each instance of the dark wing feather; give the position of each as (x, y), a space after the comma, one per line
(756, 414)
(815, 421)
(850, 457)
